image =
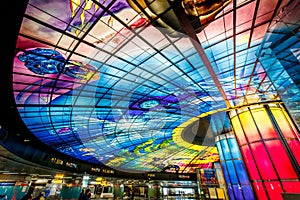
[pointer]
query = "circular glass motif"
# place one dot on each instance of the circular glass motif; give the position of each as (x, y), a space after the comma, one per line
(148, 104)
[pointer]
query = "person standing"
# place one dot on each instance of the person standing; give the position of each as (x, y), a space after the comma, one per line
(39, 197)
(27, 196)
(3, 196)
(81, 195)
(85, 195)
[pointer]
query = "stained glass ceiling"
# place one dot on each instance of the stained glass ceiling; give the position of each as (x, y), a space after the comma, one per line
(117, 82)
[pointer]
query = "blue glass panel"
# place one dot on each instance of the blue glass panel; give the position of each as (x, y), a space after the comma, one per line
(248, 192)
(235, 152)
(237, 192)
(225, 149)
(220, 151)
(241, 172)
(231, 172)
(226, 175)
(230, 192)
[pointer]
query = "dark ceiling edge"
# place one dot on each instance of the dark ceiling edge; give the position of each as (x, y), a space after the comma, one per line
(10, 119)
(13, 131)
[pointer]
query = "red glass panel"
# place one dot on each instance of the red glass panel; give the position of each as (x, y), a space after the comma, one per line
(249, 162)
(291, 186)
(280, 159)
(263, 162)
(274, 190)
(249, 127)
(238, 131)
(295, 147)
(259, 191)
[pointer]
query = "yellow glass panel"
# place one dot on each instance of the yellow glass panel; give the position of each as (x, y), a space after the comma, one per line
(283, 123)
(238, 130)
(249, 127)
(295, 130)
(264, 123)
(220, 192)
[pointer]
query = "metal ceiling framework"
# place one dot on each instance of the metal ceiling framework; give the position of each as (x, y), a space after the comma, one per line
(106, 82)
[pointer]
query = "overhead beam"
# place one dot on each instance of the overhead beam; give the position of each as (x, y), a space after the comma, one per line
(189, 30)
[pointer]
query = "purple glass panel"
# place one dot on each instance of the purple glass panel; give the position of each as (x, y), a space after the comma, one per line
(248, 192)
(237, 192)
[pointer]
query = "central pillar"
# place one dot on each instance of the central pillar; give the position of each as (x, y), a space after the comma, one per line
(238, 184)
(270, 146)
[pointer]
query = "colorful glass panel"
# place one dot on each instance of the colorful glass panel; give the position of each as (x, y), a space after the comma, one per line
(280, 159)
(238, 131)
(226, 174)
(237, 192)
(264, 163)
(248, 192)
(225, 149)
(295, 148)
(241, 172)
(234, 148)
(250, 163)
(291, 186)
(264, 123)
(288, 130)
(220, 151)
(274, 190)
(283, 123)
(260, 191)
(271, 168)
(234, 170)
(250, 129)
(230, 192)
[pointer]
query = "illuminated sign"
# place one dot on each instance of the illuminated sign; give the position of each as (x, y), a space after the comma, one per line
(108, 171)
(151, 175)
(72, 165)
(57, 161)
(183, 176)
(94, 169)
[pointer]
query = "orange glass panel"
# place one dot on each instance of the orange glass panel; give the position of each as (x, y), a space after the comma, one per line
(249, 127)
(264, 124)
